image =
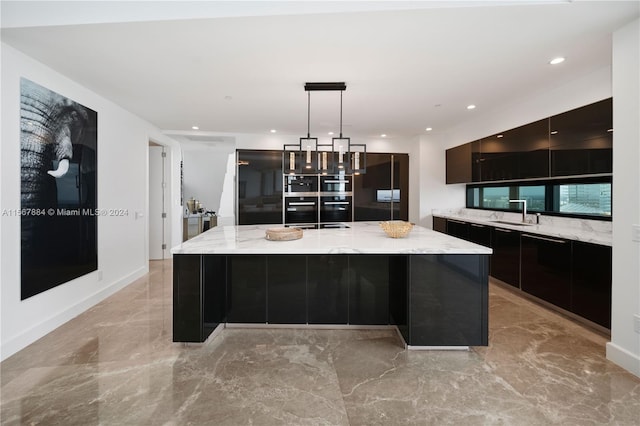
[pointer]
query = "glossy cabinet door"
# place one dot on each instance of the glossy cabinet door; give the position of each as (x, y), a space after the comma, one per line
(369, 289)
(546, 269)
(214, 292)
(457, 228)
(458, 164)
(259, 187)
(247, 289)
(480, 234)
(591, 284)
(287, 289)
(505, 261)
(439, 224)
(187, 306)
(370, 190)
(582, 140)
(328, 289)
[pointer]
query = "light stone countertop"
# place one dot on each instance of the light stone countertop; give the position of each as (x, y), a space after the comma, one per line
(360, 238)
(589, 231)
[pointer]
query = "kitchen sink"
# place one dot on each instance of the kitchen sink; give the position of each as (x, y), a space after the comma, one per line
(508, 222)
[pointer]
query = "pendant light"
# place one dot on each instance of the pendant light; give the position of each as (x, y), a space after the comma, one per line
(308, 145)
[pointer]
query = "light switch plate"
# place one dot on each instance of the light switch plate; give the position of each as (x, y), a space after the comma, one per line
(635, 232)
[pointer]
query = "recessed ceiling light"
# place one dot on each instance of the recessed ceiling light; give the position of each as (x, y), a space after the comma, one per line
(556, 61)
(428, 129)
(472, 106)
(500, 136)
(383, 135)
(272, 130)
(195, 127)
(330, 133)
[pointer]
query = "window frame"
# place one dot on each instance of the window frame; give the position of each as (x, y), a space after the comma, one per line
(549, 185)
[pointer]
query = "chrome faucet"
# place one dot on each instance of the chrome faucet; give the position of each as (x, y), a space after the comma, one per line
(524, 209)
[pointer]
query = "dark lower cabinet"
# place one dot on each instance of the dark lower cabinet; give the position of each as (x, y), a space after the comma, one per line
(480, 234)
(457, 228)
(446, 312)
(505, 261)
(214, 292)
(591, 284)
(546, 269)
(327, 284)
(247, 289)
(188, 326)
(286, 289)
(368, 289)
(439, 224)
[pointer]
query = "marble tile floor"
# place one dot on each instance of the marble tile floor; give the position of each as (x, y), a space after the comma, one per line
(116, 365)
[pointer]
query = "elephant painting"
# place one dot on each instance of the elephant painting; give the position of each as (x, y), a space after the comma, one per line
(58, 143)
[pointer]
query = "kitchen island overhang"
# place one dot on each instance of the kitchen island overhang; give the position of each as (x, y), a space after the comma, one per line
(431, 286)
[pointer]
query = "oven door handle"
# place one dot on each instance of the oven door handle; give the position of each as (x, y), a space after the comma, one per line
(333, 203)
(303, 203)
(336, 181)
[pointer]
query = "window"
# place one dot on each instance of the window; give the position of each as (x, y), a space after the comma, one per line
(589, 197)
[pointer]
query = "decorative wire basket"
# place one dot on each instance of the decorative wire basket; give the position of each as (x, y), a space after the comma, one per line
(396, 228)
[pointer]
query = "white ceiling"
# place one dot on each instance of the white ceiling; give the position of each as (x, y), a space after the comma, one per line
(241, 67)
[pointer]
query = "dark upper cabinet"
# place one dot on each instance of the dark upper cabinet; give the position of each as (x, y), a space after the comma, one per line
(582, 140)
(259, 188)
(458, 160)
(546, 269)
(591, 284)
(518, 153)
(383, 192)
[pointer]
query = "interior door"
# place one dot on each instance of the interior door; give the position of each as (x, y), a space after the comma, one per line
(157, 211)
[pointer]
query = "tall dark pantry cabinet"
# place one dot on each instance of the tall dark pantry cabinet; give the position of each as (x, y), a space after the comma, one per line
(383, 192)
(259, 187)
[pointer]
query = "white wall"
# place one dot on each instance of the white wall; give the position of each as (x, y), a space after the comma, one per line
(205, 165)
(624, 348)
(122, 184)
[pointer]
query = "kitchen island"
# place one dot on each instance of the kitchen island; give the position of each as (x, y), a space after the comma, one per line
(431, 286)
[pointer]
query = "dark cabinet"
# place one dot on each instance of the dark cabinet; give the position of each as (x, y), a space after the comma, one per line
(457, 228)
(214, 292)
(480, 234)
(327, 284)
(505, 261)
(518, 153)
(546, 269)
(383, 192)
(247, 289)
(188, 324)
(591, 284)
(259, 188)
(286, 289)
(577, 142)
(439, 224)
(582, 140)
(368, 289)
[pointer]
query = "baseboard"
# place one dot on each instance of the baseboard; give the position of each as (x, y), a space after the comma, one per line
(625, 359)
(46, 326)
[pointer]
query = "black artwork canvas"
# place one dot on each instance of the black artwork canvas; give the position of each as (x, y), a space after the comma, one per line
(58, 160)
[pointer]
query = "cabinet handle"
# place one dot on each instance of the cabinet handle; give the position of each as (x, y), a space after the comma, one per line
(310, 203)
(551, 240)
(475, 225)
(336, 181)
(504, 230)
(331, 203)
(457, 221)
